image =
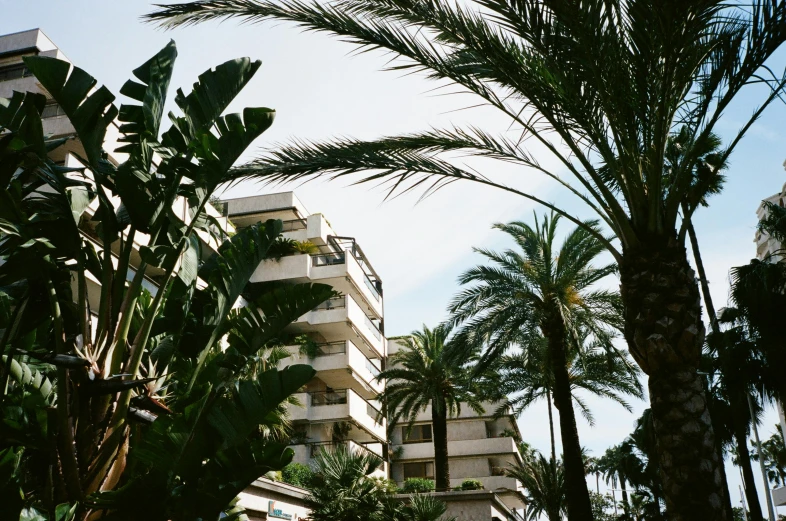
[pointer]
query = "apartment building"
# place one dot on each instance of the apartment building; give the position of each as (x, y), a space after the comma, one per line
(768, 247)
(480, 446)
(343, 338)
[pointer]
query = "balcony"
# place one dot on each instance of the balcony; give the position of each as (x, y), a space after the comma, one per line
(343, 319)
(304, 453)
(339, 405)
(461, 448)
(341, 365)
(341, 270)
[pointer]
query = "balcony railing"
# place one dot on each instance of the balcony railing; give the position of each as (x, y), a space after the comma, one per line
(331, 348)
(320, 398)
(372, 287)
(373, 328)
(333, 303)
(374, 413)
(294, 225)
(372, 368)
(317, 447)
(328, 259)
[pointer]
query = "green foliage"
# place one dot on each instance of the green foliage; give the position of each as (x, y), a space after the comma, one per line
(308, 347)
(109, 392)
(544, 483)
(307, 247)
(471, 484)
(341, 489)
(624, 97)
(297, 474)
(417, 485)
(602, 507)
(424, 508)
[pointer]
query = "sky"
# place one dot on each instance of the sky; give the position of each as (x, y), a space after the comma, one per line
(321, 89)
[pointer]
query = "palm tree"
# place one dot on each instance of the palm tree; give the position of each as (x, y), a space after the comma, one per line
(773, 451)
(544, 482)
(430, 370)
(544, 293)
(600, 85)
(341, 488)
(525, 377)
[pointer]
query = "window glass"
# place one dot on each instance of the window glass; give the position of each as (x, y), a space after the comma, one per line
(418, 434)
(420, 469)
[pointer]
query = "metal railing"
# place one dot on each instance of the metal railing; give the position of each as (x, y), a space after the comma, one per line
(294, 225)
(316, 447)
(373, 369)
(373, 328)
(333, 303)
(372, 287)
(331, 348)
(336, 397)
(374, 413)
(328, 259)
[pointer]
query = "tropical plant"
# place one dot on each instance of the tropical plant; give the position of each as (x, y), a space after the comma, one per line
(541, 298)
(115, 389)
(634, 462)
(545, 487)
(600, 86)
(417, 485)
(432, 371)
(471, 484)
(738, 372)
(601, 507)
(773, 451)
(425, 508)
(525, 376)
(297, 474)
(342, 489)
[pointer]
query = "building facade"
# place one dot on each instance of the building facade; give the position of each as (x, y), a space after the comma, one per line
(343, 338)
(480, 447)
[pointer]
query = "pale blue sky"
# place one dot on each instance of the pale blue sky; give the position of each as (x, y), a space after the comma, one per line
(320, 91)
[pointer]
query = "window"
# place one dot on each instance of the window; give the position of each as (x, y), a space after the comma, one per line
(12, 72)
(418, 434)
(51, 110)
(421, 469)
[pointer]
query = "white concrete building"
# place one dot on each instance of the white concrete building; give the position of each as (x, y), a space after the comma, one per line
(480, 446)
(769, 248)
(346, 333)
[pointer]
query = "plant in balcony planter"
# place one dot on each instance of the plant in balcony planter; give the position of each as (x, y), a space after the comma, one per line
(115, 390)
(471, 484)
(417, 485)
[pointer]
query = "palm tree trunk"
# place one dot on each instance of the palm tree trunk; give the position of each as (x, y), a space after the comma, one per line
(578, 500)
(665, 333)
(439, 422)
(551, 428)
(744, 460)
(705, 290)
(625, 504)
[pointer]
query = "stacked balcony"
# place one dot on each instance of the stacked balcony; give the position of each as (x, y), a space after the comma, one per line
(340, 405)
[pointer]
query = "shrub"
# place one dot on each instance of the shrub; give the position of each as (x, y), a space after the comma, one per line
(471, 484)
(297, 474)
(417, 485)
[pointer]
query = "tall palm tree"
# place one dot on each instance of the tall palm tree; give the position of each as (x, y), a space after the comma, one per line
(544, 482)
(430, 370)
(525, 377)
(600, 85)
(542, 290)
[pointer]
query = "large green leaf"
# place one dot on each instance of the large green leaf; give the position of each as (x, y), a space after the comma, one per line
(89, 112)
(142, 122)
(255, 326)
(212, 94)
